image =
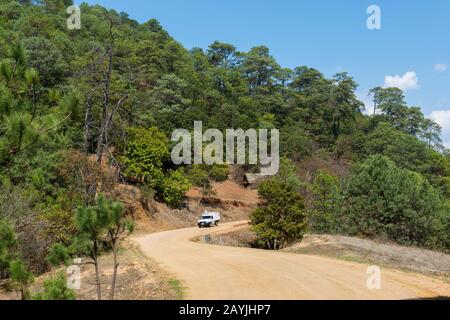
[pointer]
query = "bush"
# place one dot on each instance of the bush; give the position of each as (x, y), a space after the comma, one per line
(203, 175)
(409, 153)
(280, 217)
(56, 289)
(295, 143)
(175, 186)
(144, 160)
(323, 213)
(384, 201)
(101, 227)
(8, 241)
(218, 172)
(47, 59)
(20, 277)
(145, 155)
(199, 176)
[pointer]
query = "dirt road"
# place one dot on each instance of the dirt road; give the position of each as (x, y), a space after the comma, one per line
(218, 272)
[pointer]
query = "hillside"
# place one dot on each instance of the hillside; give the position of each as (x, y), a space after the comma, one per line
(88, 125)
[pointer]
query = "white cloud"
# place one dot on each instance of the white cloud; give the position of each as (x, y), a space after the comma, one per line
(406, 82)
(365, 98)
(442, 117)
(440, 67)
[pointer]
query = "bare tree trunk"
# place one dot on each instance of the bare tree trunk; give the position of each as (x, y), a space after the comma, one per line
(87, 124)
(97, 271)
(23, 294)
(34, 102)
(97, 280)
(106, 96)
(116, 266)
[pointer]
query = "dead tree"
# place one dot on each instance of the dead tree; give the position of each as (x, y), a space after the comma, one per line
(100, 73)
(107, 111)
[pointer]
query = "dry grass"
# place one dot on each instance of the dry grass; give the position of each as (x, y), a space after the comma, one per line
(239, 238)
(373, 252)
(139, 278)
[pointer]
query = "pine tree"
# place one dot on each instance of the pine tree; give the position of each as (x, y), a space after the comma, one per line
(55, 289)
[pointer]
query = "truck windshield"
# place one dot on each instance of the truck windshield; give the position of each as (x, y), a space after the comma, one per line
(207, 217)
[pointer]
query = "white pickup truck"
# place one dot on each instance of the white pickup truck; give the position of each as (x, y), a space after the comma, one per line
(209, 219)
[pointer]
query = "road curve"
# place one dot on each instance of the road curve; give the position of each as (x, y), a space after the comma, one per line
(217, 272)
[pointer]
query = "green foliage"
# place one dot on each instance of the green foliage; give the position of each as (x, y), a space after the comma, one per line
(219, 173)
(409, 153)
(280, 216)
(199, 176)
(8, 242)
(380, 201)
(55, 289)
(145, 155)
(104, 218)
(175, 186)
(96, 225)
(52, 99)
(203, 175)
(287, 174)
(29, 141)
(59, 254)
(394, 110)
(60, 224)
(47, 59)
(101, 227)
(145, 160)
(168, 97)
(323, 214)
(20, 277)
(11, 266)
(295, 143)
(387, 202)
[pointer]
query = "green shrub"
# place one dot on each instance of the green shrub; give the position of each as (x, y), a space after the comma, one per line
(280, 216)
(145, 155)
(144, 160)
(323, 213)
(8, 241)
(20, 277)
(175, 186)
(383, 201)
(219, 172)
(56, 289)
(199, 176)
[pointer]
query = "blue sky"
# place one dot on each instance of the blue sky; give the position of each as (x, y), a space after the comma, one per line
(413, 44)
